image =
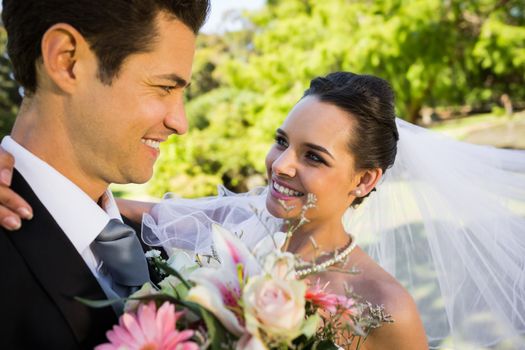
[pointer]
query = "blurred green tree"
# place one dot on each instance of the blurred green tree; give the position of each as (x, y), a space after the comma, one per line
(9, 96)
(434, 53)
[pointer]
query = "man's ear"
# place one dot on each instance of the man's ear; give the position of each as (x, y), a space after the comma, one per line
(367, 181)
(62, 45)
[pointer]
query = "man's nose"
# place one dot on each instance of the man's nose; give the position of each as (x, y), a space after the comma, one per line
(176, 118)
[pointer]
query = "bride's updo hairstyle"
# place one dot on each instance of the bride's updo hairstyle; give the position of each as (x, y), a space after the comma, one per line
(370, 101)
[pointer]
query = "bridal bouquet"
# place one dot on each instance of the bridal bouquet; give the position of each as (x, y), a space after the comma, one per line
(239, 299)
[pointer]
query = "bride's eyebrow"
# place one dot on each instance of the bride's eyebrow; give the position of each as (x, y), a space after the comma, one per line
(308, 144)
(319, 148)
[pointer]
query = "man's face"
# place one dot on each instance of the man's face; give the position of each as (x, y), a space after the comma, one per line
(115, 129)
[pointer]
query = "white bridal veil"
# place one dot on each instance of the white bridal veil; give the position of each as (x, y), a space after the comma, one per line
(447, 220)
(179, 223)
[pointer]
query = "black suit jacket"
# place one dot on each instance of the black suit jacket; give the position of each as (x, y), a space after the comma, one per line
(40, 273)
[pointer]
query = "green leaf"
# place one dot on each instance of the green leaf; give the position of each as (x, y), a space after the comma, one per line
(216, 332)
(167, 268)
(310, 325)
(324, 345)
(98, 303)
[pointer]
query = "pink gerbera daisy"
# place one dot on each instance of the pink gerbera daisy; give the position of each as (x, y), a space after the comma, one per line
(329, 302)
(318, 296)
(149, 329)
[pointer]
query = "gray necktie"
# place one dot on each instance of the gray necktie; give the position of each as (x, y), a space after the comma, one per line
(120, 250)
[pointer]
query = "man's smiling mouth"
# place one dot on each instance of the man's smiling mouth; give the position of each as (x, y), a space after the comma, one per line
(151, 143)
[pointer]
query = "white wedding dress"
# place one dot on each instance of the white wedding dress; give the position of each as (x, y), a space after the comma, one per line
(447, 221)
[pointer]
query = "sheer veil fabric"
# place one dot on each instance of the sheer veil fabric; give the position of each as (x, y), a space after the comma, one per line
(186, 224)
(447, 221)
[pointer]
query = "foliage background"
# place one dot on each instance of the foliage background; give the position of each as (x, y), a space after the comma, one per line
(9, 96)
(442, 57)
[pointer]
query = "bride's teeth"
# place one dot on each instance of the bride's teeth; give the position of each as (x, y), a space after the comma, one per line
(286, 191)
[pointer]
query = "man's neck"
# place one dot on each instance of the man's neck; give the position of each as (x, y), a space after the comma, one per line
(39, 130)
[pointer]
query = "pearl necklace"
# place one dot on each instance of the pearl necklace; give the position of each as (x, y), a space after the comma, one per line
(324, 265)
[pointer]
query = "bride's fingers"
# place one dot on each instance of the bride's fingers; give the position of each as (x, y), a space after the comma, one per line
(12, 209)
(7, 163)
(9, 220)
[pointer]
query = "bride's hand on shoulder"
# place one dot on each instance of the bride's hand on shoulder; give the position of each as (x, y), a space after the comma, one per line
(13, 208)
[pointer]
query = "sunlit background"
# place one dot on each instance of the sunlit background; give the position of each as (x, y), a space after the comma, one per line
(457, 67)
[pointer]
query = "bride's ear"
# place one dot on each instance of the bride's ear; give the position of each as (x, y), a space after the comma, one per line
(367, 181)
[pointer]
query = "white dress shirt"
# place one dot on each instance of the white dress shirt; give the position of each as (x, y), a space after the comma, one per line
(75, 212)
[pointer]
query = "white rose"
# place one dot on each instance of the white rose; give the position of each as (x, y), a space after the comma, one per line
(182, 262)
(275, 306)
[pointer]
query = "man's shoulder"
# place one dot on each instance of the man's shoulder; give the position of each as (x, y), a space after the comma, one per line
(9, 239)
(23, 189)
(6, 246)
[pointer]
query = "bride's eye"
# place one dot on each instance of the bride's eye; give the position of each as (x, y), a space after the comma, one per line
(315, 158)
(281, 141)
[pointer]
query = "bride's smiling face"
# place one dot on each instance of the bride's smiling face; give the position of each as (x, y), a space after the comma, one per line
(311, 155)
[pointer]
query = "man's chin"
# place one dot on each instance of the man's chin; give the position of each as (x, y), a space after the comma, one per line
(136, 178)
(142, 179)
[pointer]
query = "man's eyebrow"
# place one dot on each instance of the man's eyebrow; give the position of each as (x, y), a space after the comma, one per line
(174, 78)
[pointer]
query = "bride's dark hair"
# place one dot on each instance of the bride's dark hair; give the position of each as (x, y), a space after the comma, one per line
(370, 101)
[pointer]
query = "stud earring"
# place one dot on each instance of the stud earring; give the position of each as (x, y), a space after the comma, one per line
(358, 192)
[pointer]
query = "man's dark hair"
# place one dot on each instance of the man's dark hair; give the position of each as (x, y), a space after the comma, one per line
(369, 100)
(114, 29)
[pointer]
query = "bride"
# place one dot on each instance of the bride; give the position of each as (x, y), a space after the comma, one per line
(444, 226)
(335, 143)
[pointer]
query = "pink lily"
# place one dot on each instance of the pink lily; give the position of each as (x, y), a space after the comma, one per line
(219, 289)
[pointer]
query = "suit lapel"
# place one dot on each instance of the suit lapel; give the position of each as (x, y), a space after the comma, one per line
(59, 268)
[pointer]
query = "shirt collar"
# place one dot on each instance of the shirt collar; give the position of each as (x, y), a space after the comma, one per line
(75, 212)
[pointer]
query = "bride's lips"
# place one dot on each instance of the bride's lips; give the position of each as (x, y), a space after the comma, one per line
(282, 191)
